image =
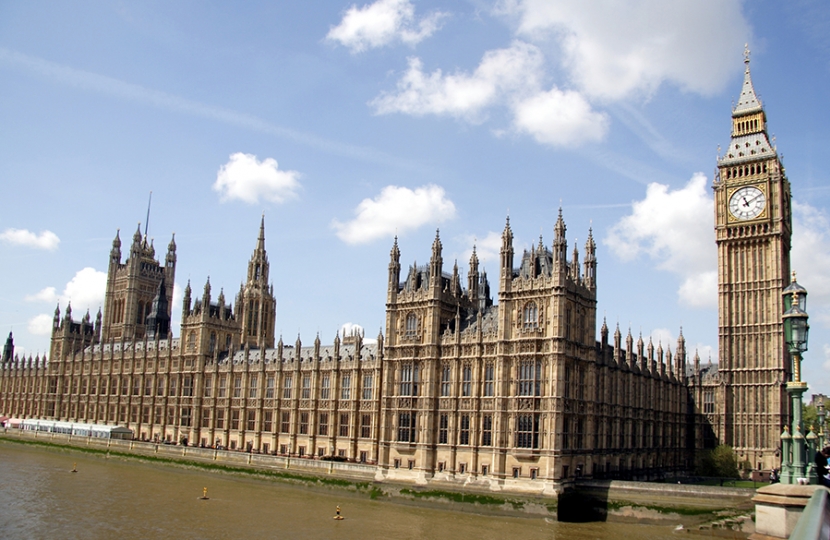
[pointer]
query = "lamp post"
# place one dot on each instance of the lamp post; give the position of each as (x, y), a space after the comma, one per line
(821, 414)
(795, 462)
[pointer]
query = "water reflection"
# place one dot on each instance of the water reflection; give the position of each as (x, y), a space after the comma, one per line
(108, 498)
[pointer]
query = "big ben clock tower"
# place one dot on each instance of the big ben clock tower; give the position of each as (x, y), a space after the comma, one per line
(753, 225)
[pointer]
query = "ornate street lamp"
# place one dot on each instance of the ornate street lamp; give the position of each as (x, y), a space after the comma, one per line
(794, 459)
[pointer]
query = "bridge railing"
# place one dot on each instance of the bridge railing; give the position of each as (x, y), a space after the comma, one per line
(814, 523)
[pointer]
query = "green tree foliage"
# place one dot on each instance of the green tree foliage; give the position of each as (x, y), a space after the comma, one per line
(809, 417)
(721, 462)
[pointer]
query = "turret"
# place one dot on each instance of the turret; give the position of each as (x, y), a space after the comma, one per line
(115, 252)
(575, 264)
(436, 262)
(506, 256)
(8, 349)
(206, 296)
(560, 244)
(472, 277)
(394, 271)
(186, 301)
(170, 259)
(591, 261)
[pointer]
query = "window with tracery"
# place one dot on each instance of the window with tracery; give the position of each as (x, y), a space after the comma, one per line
(411, 324)
(530, 317)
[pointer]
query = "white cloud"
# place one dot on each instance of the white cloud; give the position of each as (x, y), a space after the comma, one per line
(47, 294)
(381, 23)
(501, 73)
(84, 291)
(560, 118)
(488, 249)
(247, 179)
(350, 328)
(614, 50)
(810, 257)
(21, 237)
(40, 325)
(395, 210)
(674, 229)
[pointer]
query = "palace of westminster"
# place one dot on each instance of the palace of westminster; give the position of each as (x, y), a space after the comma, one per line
(459, 388)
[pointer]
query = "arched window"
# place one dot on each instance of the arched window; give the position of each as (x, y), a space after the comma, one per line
(530, 317)
(212, 346)
(411, 324)
(191, 341)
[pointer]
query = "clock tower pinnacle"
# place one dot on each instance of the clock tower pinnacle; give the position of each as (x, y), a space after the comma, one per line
(753, 229)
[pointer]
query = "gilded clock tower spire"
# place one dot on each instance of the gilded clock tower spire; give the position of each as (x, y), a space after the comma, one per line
(753, 229)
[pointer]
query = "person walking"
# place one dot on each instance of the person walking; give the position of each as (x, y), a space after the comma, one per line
(821, 466)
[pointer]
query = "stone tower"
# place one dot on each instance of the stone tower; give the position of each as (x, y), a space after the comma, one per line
(753, 225)
(256, 307)
(133, 285)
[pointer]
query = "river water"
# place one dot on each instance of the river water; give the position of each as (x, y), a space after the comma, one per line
(111, 498)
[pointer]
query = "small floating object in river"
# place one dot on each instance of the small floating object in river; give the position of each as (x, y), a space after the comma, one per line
(204, 496)
(338, 516)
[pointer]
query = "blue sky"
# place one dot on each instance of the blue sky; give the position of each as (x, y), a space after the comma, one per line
(346, 123)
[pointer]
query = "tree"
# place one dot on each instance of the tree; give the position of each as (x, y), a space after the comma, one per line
(721, 462)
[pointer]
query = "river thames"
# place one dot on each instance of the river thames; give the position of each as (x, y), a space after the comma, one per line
(112, 498)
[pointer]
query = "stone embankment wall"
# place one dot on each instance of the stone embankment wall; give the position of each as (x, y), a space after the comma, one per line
(595, 500)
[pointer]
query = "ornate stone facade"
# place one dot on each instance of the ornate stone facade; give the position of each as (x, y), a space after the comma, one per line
(744, 403)
(516, 393)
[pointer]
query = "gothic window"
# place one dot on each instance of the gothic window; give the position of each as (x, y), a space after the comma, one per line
(346, 387)
(237, 386)
(285, 422)
(445, 380)
(286, 387)
(466, 380)
(212, 343)
(708, 401)
(344, 425)
(208, 385)
(411, 324)
(304, 423)
(269, 387)
(530, 317)
(530, 375)
(366, 426)
(368, 381)
(251, 420)
(306, 390)
(464, 433)
(409, 379)
(488, 379)
(235, 419)
(258, 272)
(223, 386)
(487, 430)
(267, 421)
(527, 431)
(325, 386)
(252, 386)
(323, 426)
(185, 418)
(443, 428)
(228, 342)
(191, 341)
(406, 427)
(187, 386)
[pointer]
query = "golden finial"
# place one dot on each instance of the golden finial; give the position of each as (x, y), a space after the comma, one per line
(793, 276)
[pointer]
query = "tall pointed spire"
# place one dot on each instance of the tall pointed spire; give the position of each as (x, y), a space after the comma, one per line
(260, 243)
(748, 102)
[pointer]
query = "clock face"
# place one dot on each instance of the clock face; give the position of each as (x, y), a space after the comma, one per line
(747, 203)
